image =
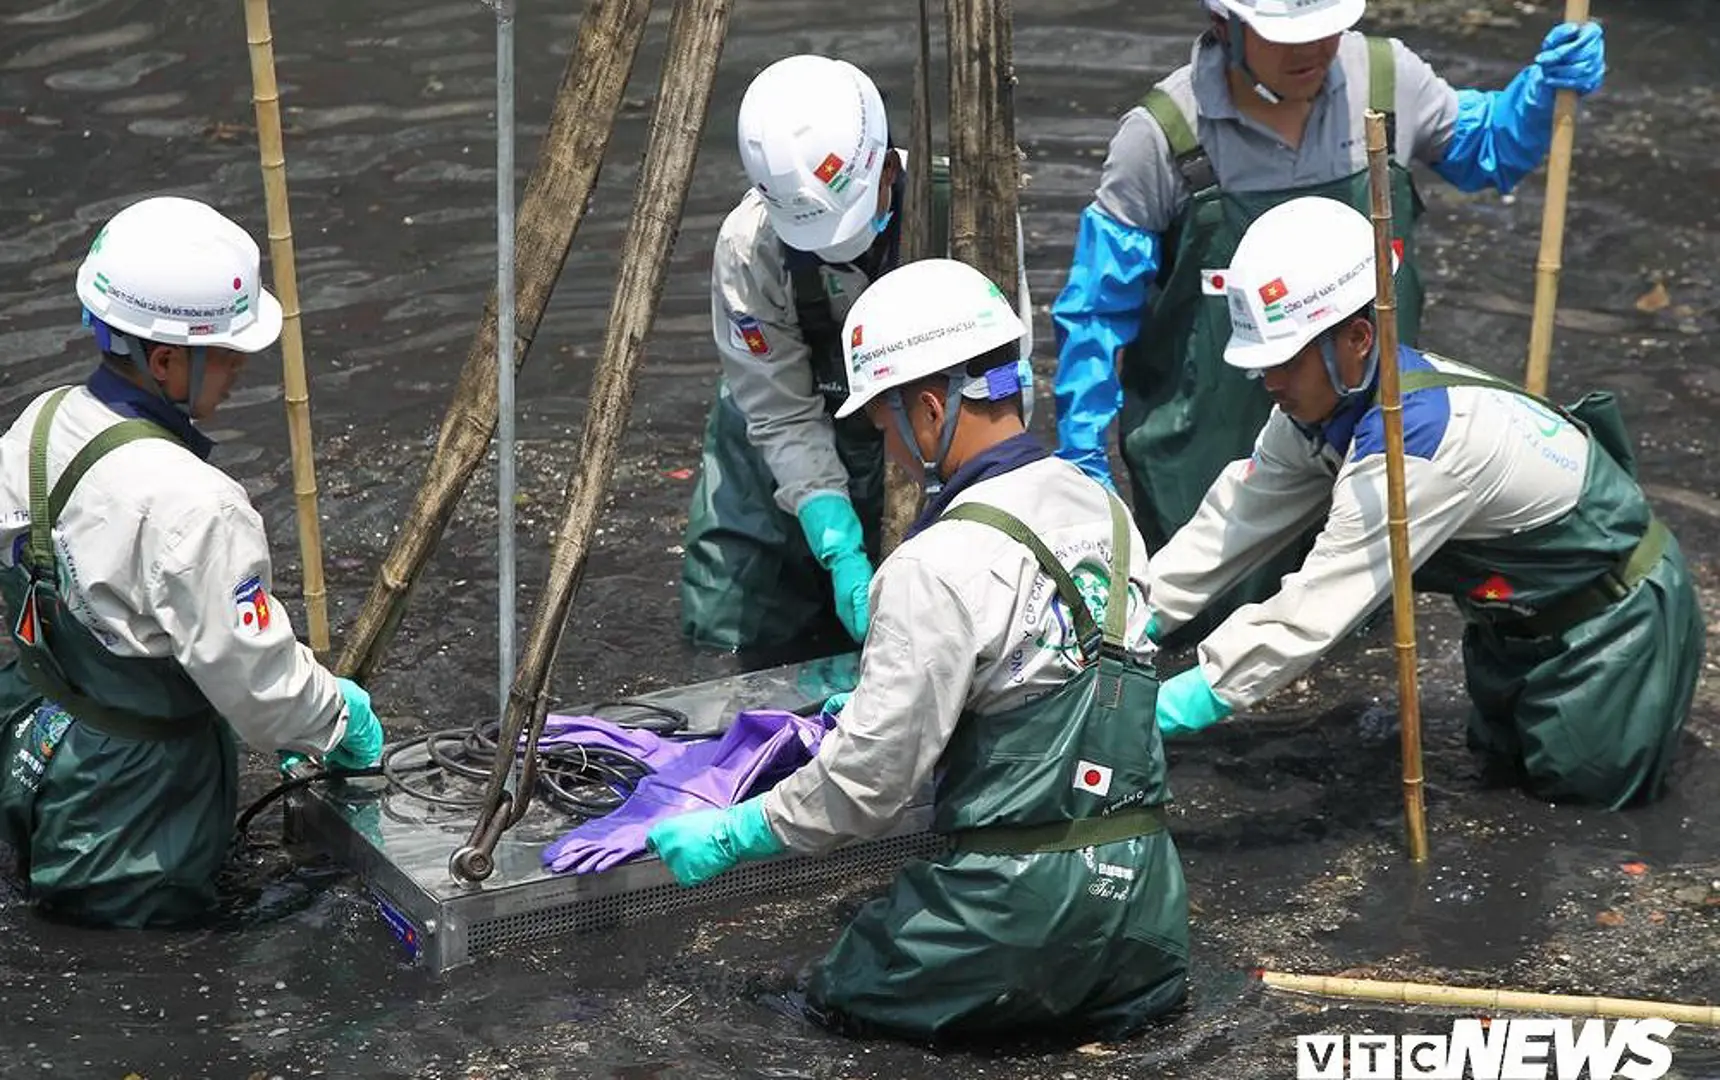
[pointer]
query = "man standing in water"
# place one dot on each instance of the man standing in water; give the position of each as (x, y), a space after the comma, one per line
(135, 578)
(1270, 107)
(1007, 659)
(783, 526)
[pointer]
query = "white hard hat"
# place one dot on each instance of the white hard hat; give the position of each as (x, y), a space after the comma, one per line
(1293, 22)
(1303, 267)
(813, 138)
(177, 272)
(919, 319)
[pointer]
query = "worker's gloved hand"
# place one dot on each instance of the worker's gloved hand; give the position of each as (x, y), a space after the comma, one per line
(1573, 57)
(698, 846)
(1187, 704)
(834, 534)
(290, 761)
(1153, 630)
(833, 704)
(361, 746)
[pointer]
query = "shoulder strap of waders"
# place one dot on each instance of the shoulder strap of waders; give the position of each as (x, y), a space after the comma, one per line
(1091, 639)
(1382, 86)
(812, 305)
(1426, 379)
(1190, 157)
(940, 245)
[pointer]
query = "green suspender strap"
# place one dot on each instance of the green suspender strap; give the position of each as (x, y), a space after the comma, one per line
(1190, 157)
(1382, 86)
(1616, 583)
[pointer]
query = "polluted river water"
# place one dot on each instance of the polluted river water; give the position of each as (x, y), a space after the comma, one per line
(1289, 819)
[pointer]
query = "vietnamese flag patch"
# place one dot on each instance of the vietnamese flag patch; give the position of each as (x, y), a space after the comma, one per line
(1495, 588)
(828, 168)
(1092, 777)
(1273, 291)
(854, 338)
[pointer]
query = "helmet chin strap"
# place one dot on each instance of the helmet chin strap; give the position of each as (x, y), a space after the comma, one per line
(932, 472)
(110, 340)
(1239, 60)
(1329, 353)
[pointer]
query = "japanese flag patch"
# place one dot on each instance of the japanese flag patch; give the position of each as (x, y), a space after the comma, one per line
(251, 607)
(1092, 777)
(1212, 282)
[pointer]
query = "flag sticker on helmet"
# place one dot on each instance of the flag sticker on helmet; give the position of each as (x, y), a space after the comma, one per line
(855, 338)
(746, 333)
(251, 606)
(828, 169)
(1273, 291)
(1092, 777)
(1212, 282)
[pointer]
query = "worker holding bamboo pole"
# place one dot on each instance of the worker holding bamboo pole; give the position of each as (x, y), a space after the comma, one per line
(1269, 108)
(1583, 638)
(136, 584)
(783, 527)
(1007, 657)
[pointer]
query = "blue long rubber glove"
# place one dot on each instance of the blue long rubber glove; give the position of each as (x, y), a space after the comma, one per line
(698, 846)
(1187, 704)
(361, 746)
(833, 532)
(1500, 136)
(1098, 312)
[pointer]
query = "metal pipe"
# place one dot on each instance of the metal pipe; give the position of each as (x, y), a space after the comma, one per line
(505, 478)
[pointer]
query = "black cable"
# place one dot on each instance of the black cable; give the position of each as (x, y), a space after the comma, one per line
(582, 781)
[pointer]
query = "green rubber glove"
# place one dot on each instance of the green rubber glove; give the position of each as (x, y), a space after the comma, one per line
(698, 846)
(1187, 704)
(1153, 630)
(834, 534)
(361, 746)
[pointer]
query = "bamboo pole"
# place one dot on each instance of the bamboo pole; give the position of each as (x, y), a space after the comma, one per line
(1548, 265)
(985, 167)
(901, 488)
(549, 215)
(1391, 406)
(696, 32)
(266, 99)
(1463, 997)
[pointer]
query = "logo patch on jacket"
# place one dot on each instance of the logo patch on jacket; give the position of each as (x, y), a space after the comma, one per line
(1093, 777)
(251, 606)
(746, 333)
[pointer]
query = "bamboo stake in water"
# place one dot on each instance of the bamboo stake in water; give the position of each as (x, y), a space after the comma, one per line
(266, 98)
(1547, 267)
(1397, 515)
(1464, 997)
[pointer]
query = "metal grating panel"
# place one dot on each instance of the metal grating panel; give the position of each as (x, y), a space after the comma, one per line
(616, 908)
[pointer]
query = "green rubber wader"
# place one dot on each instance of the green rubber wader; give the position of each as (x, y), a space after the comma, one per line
(1584, 637)
(1062, 906)
(1187, 414)
(118, 782)
(748, 579)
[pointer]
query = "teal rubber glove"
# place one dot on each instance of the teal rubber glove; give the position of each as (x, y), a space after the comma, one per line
(361, 746)
(1187, 704)
(1153, 630)
(834, 703)
(289, 761)
(839, 543)
(698, 846)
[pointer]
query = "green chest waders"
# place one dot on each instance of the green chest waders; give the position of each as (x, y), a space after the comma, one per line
(119, 782)
(748, 579)
(1061, 905)
(1583, 637)
(1187, 414)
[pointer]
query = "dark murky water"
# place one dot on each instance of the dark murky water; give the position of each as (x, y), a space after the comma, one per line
(1289, 824)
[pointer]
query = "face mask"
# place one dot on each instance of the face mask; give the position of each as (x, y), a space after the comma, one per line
(859, 243)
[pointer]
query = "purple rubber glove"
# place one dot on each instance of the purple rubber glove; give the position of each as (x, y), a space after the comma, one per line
(759, 749)
(647, 746)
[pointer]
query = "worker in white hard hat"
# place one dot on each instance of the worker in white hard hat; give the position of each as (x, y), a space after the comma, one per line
(1583, 639)
(1007, 663)
(136, 584)
(1271, 106)
(783, 526)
